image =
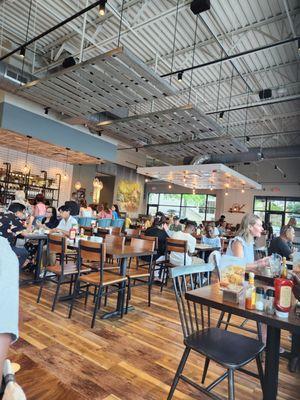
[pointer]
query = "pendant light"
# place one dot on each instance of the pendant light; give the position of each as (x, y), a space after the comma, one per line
(65, 176)
(77, 185)
(26, 169)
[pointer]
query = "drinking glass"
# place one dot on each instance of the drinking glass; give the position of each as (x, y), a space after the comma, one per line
(275, 263)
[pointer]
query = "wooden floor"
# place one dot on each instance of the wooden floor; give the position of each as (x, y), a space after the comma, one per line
(128, 359)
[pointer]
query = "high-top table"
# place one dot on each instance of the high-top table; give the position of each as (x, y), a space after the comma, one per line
(211, 296)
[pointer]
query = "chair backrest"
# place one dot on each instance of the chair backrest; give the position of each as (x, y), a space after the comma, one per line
(191, 315)
(215, 259)
(114, 240)
(116, 230)
(118, 222)
(91, 251)
(178, 246)
(151, 239)
(132, 232)
(104, 222)
(143, 244)
(57, 244)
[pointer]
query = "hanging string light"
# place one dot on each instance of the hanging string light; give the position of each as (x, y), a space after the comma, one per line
(26, 168)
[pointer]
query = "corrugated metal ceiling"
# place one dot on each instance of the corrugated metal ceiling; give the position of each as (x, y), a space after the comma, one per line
(148, 30)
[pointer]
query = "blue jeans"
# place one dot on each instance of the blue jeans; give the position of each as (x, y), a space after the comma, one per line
(21, 253)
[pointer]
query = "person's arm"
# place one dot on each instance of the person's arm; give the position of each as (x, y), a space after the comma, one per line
(237, 249)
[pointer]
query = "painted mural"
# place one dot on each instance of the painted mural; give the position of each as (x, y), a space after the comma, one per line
(129, 195)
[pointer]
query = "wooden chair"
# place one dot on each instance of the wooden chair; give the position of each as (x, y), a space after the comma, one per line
(116, 230)
(140, 275)
(87, 230)
(178, 246)
(230, 350)
(61, 274)
(104, 282)
(133, 232)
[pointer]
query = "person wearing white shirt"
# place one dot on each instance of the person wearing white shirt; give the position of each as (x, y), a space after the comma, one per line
(67, 221)
(180, 259)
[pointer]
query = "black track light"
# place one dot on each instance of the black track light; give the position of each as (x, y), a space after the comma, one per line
(275, 167)
(221, 115)
(22, 52)
(46, 110)
(102, 7)
(284, 175)
(247, 139)
(68, 62)
(180, 75)
(136, 149)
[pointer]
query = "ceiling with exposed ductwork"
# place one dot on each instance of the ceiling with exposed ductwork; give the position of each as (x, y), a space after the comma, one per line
(157, 38)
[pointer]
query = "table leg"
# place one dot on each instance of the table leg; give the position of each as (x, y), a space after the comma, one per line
(39, 256)
(272, 363)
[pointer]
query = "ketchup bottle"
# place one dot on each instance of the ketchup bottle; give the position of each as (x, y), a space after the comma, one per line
(283, 296)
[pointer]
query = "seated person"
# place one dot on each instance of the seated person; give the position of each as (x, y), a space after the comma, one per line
(50, 221)
(9, 299)
(181, 259)
(210, 238)
(73, 207)
(280, 244)
(85, 211)
(158, 230)
(222, 228)
(176, 225)
(216, 230)
(11, 226)
(67, 221)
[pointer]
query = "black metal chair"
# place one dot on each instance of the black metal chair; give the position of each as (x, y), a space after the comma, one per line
(101, 280)
(231, 350)
(62, 273)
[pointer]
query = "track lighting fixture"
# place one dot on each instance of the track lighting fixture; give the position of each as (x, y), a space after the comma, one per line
(102, 7)
(46, 110)
(179, 76)
(22, 52)
(247, 139)
(136, 149)
(275, 167)
(221, 115)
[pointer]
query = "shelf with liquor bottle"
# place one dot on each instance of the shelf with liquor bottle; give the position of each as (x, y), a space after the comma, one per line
(31, 184)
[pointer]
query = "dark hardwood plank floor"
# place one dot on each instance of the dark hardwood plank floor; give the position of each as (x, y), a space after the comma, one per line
(128, 359)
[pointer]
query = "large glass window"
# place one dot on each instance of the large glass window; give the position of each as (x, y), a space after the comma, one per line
(197, 207)
(277, 210)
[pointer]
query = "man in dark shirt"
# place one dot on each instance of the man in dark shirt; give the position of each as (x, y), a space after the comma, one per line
(11, 226)
(280, 244)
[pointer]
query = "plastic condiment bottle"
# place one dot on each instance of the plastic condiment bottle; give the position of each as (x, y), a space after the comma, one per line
(250, 293)
(283, 296)
(72, 233)
(283, 268)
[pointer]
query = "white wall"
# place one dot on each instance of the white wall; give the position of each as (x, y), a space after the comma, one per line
(36, 164)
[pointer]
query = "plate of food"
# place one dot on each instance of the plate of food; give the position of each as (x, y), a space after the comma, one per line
(232, 273)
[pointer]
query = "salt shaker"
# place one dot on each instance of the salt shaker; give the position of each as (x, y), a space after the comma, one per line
(259, 302)
(269, 301)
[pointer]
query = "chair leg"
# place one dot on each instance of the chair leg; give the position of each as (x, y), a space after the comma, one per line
(179, 371)
(76, 291)
(128, 295)
(260, 370)
(149, 292)
(206, 365)
(227, 322)
(123, 293)
(56, 293)
(230, 384)
(41, 287)
(97, 303)
(105, 298)
(86, 295)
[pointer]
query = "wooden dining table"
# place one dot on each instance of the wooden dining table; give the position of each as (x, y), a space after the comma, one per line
(211, 296)
(122, 253)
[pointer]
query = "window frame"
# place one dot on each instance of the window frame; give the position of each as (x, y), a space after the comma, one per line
(267, 209)
(181, 203)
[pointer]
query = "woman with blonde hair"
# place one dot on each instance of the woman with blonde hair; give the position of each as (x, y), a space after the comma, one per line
(242, 245)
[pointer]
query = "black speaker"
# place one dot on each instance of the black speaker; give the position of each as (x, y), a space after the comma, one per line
(68, 62)
(265, 94)
(199, 6)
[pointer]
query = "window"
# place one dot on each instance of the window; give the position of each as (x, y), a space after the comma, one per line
(277, 210)
(196, 207)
